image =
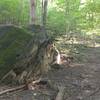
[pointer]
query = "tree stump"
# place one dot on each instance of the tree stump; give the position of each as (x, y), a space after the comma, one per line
(33, 65)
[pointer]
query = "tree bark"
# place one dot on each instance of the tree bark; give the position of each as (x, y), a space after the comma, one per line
(32, 11)
(33, 66)
(44, 11)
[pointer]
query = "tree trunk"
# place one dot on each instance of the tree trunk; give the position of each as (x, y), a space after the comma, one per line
(32, 11)
(44, 11)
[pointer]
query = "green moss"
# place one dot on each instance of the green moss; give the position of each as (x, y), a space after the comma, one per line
(13, 41)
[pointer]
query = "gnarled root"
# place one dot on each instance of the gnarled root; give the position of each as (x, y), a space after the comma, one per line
(60, 94)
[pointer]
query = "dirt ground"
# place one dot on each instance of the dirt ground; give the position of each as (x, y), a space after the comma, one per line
(81, 81)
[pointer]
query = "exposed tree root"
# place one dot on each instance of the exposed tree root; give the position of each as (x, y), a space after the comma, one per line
(60, 94)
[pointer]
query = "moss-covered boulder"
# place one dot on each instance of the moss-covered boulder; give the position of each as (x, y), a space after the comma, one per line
(13, 43)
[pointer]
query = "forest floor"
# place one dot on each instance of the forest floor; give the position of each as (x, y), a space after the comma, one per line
(81, 81)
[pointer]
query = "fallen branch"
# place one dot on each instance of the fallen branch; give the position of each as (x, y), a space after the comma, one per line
(20, 87)
(12, 89)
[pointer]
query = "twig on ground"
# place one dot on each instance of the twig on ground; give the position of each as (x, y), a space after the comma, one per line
(12, 89)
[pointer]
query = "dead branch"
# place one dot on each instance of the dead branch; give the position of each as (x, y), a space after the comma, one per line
(21, 87)
(12, 89)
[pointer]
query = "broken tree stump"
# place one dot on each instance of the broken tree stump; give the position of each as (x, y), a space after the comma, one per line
(32, 67)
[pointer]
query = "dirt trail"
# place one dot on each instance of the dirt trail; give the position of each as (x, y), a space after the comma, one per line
(92, 74)
(82, 81)
(86, 77)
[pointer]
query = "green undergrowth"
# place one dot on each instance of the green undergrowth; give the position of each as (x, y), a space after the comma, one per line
(13, 41)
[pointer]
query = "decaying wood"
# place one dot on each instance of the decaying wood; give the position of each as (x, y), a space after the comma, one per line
(33, 65)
